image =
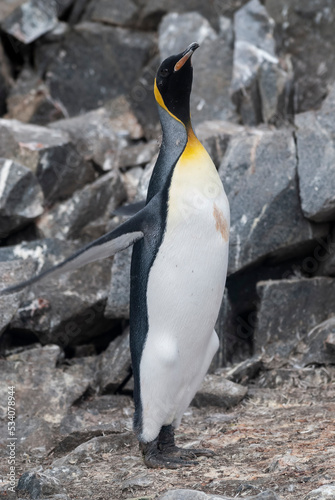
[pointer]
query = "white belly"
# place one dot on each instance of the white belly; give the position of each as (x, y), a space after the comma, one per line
(185, 289)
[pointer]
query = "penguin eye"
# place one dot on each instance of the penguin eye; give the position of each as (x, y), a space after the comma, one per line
(164, 72)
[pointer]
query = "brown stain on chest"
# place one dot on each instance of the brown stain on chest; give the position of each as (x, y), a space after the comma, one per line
(221, 224)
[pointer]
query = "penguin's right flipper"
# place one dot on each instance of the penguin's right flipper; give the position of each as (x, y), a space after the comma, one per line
(120, 238)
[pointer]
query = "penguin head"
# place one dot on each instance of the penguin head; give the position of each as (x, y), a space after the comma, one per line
(173, 84)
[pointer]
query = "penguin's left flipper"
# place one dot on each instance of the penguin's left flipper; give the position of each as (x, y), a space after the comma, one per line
(120, 238)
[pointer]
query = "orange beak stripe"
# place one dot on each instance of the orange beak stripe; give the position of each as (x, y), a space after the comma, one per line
(183, 60)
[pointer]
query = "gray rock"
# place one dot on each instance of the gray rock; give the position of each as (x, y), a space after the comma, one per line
(42, 390)
(4, 81)
(65, 311)
(324, 255)
(320, 348)
(217, 391)
(325, 492)
(34, 18)
(115, 364)
(138, 154)
(225, 330)
(305, 32)
(118, 299)
(316, 155)
(136, 481)
(8, 6)
(68, 219)
(262, 158)
(289, 309)
(21, 196)
(199, 495)
(210, 97)
(112, 12)
(10, 272)
(51, 155)
(29, 100)
(79, 91)
(101, 135)
(34, 436)
(39, 485)
(258, 82)
(246, 370)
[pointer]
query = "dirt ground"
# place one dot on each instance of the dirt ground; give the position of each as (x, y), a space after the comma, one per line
(278, 438)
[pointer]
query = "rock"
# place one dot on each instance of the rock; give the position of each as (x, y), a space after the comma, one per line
(42, 390)
(264, 158)
(10, 272)
(316, 155)
(29, 100)
(136, 481)
(112, 12)
(131, 180)
(118, 299)
(199, 495)
(289, 309)
(66, 311)
(21, 197)
(138, 154)
(34, 18)
(51, 155)
(210, 96)
(177, 31)
(101, 135)
(324, 256)
(225, 330)
(68, 219)
(217, 391)
(259, 83)
(39, 485)
(8, 6)
(320, 344)
(325, 492)
(115, 364)
(5, 80)
(305, 32)
(246, 370)
(34, 436)
(81, 90)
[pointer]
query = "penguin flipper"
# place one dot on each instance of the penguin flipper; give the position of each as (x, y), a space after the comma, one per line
(119, 239)
(130, 209)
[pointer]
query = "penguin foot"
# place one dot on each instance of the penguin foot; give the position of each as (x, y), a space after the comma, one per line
(166, 444)
(155, 458)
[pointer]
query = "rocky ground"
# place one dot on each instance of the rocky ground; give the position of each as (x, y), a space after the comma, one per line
(79, 135)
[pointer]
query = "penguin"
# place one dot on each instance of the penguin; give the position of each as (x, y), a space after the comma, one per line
(178, 272)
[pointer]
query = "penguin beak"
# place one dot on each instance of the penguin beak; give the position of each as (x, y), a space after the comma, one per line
(185, 56)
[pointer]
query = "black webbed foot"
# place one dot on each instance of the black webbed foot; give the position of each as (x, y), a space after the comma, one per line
(155, 458)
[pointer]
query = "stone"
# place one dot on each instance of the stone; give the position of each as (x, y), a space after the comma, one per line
(246, 370)
(320, 344)
(217, 391)
(29, 100)
(138, 481)
(10, 272)
(34, 436)
(325, 255)
(21, 196)
(138, 154)
(304, 31)
(42, 389)
(34, 18)
(5, 80)
(259, 83)
(112, 12)
(37, 484)
(66, 311)
(51, 155)
(81, 90)
(325, 492)
(316, 155)
(115, 364)
(101, 135)
(200, 495)
(68, 219)
(118, 299)
(8, 6)
(264, 158)
(131, 179)
(211, 96)
(288, 310)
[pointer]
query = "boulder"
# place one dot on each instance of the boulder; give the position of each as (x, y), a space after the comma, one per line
(259, 82)
(200, 495)
(68, 219)
(21, 196)
(316, 156)
(218, 391)
(51, 155)
(63, 311)
(325, 492)
(304, 31)
(34, 18)
(122, 52)
(211, 96)
(103, 134)
(320, 344)
(29, 100)
(288, 310)
(112, 12)
(115, 364)
(258, 172)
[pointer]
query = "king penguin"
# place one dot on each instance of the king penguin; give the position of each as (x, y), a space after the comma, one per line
(178, 272)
